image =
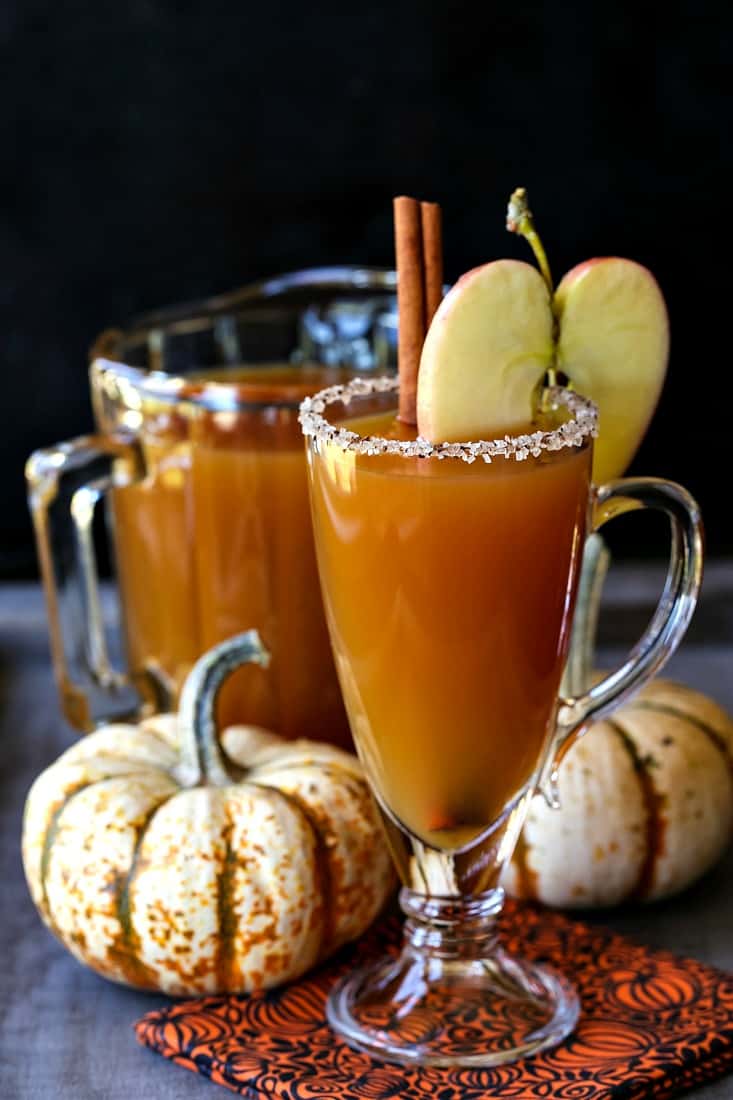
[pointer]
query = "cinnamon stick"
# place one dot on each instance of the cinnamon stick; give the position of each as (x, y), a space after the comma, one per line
(432, 248)
(410, 301)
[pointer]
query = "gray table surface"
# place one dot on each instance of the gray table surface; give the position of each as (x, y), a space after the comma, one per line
(67, 1034)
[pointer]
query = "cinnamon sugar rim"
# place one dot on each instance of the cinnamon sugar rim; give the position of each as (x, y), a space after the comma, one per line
(573, 433)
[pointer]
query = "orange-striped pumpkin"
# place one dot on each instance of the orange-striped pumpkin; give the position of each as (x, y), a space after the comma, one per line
(163, 864)
(646, 805)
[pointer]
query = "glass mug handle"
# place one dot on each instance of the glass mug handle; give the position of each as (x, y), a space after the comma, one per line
(65, 483)
(667, 626)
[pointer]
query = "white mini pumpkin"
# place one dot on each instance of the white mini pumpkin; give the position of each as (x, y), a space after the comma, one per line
(646, 796)
(161, 866)
(646, 805)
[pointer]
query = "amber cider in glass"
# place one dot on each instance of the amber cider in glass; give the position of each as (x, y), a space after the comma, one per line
(449, 590)
(217, 539)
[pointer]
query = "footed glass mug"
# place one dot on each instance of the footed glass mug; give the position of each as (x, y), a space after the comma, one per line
(199, 452)
(449, 575)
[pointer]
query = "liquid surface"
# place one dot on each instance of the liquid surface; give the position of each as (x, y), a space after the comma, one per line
(448, 588)
(274, 382)
(217, 539)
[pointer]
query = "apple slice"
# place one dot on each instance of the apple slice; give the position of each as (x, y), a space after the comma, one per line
(613, 346)
(491, 342)
(487, 349)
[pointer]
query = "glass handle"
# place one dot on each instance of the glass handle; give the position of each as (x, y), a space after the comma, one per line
(65, 484)
(668, 624)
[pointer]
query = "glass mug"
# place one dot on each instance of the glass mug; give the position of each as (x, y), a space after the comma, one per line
(200, 455)
(449, 576)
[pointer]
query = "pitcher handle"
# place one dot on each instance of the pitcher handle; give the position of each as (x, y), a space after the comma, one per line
(668, 623)
(65, 483)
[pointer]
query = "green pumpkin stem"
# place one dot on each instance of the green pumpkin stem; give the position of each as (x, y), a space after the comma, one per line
(202, 761)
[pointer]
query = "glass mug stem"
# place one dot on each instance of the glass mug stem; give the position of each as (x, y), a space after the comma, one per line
(424, 1007)
(451, 928)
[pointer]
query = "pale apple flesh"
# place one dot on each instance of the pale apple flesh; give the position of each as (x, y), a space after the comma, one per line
(491, 343)
(614, 346)
(486, 351)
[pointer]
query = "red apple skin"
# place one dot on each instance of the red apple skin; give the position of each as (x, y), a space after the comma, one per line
(614, 347)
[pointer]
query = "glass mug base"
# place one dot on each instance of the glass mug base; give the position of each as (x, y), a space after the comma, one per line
(453, 997)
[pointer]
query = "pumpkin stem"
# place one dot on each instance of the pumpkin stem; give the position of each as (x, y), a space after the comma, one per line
(202, 760)
(578, 675)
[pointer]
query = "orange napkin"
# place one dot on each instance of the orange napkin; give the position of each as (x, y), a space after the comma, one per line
(651, 1025)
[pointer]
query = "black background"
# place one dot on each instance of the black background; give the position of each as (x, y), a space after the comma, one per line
(157, 150)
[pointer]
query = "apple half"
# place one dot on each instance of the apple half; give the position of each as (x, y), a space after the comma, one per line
(491, 342)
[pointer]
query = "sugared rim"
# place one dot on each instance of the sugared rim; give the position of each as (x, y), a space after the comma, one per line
(573, 433)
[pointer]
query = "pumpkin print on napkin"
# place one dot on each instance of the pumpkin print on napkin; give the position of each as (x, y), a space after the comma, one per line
(651, 1025)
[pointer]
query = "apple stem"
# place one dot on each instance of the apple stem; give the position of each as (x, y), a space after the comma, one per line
(519, 219)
